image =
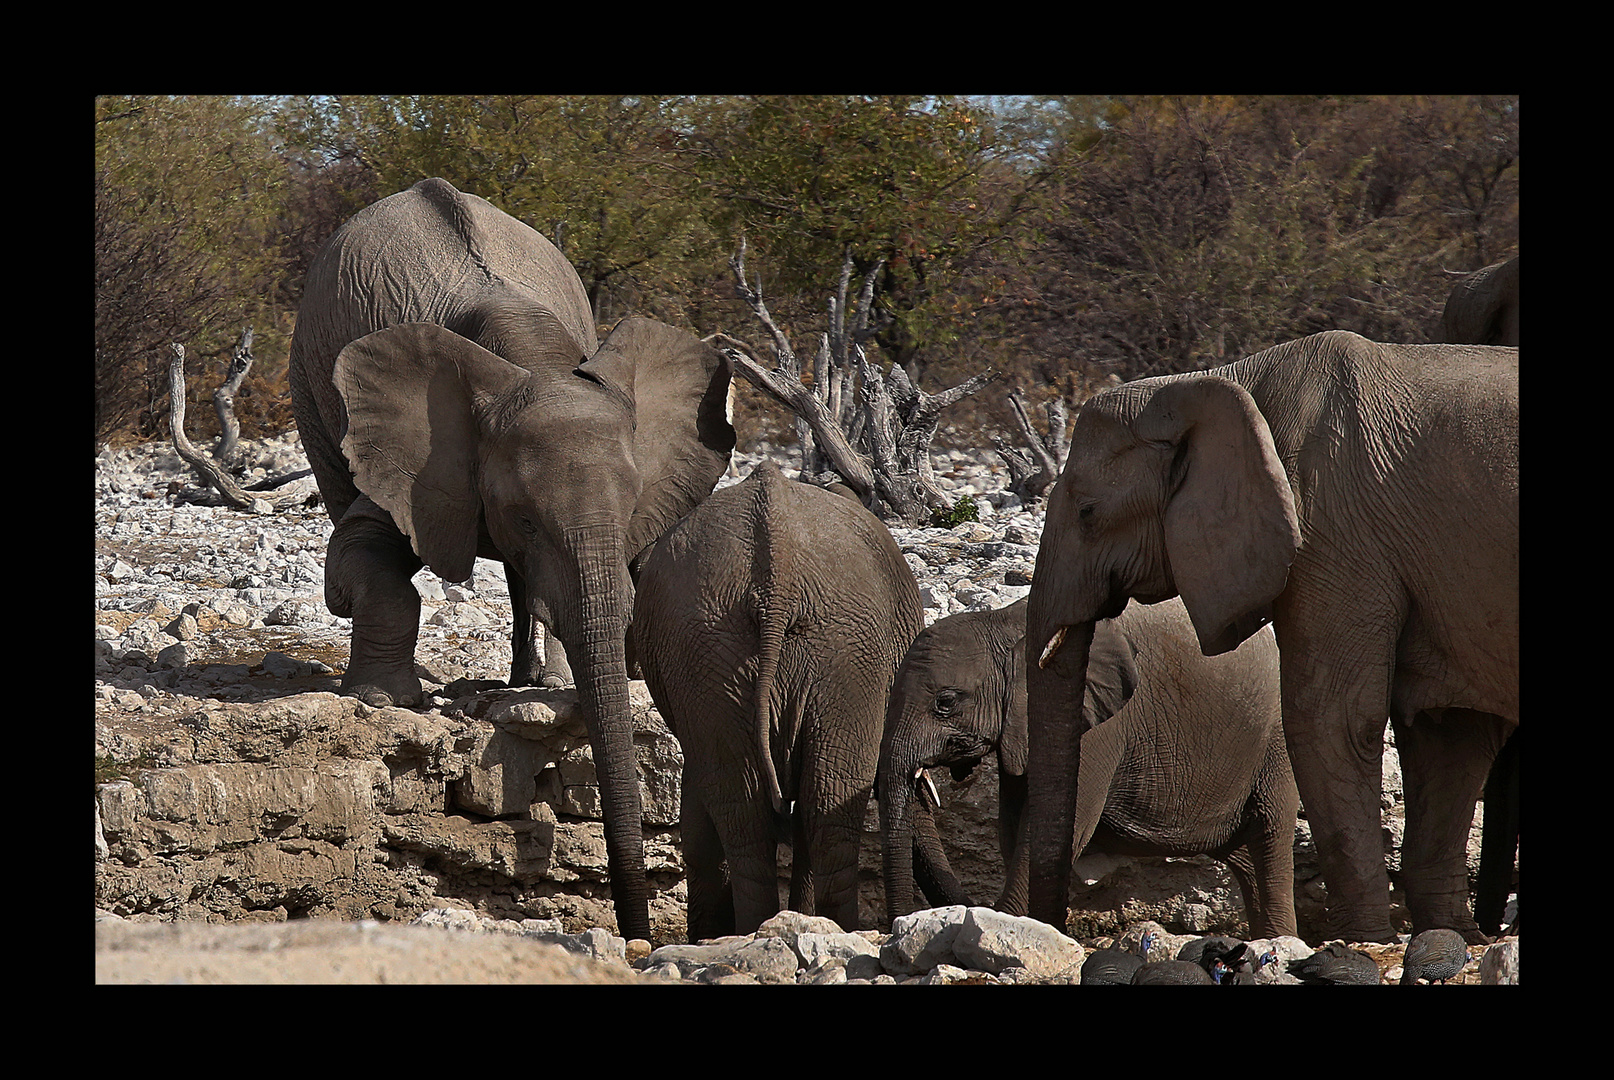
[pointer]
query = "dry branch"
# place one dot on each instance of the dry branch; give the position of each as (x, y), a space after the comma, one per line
(1032, 473)
(870, 430)
(224, 402)
(212, 473)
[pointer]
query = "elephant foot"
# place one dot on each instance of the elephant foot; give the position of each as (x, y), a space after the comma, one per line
(554, 682)
(385, 691)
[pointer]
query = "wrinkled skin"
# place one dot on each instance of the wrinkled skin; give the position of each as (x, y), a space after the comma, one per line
(1483, 308)
(1182, 754)
(1365, 499)
(454, 403)
(769, 624)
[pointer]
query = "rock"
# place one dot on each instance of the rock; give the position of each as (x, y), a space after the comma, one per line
(1500, 964)
(922, 940)
(991, 941)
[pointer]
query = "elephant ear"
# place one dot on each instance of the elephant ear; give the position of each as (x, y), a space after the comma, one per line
(413, 395)
(1230, 525)
(682, 438)
(1112, 674)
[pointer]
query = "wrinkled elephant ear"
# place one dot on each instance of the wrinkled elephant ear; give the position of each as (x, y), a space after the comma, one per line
(1230, 525)
(412, 394)
(682, 437)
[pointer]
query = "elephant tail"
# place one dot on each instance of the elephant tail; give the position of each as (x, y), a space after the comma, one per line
(775, 612)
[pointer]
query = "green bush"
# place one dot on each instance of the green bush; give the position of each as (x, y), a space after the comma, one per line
(963, 510)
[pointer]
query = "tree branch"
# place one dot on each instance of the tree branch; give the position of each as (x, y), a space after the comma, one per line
(214, 476)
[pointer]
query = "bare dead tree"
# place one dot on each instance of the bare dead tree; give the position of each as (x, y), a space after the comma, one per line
(212, 472)
(224, 402)
(1033, 471)
(858, 426)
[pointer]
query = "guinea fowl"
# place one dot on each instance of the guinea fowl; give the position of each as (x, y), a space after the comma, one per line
(1172, 973)
(1115, 967)
(1336, 964)
(1436, 955)
(1195, 949)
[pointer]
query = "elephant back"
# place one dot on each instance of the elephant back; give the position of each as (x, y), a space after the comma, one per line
(431, 254)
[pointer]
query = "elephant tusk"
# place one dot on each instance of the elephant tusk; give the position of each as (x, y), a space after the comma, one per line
(928, 788)
(1052, 647)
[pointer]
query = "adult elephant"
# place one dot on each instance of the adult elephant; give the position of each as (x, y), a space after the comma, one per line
(1483, 308)
(770, 623)
(1182, 754)
(1362, 497)
(454, 402)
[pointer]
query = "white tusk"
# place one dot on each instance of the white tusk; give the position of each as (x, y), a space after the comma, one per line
(1052, 647)
(929, 788)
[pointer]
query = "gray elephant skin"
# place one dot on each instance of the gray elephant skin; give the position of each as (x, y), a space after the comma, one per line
(1483, 308)
(454, 402)
(769, 624)
(1362, 497)
(1182, 754)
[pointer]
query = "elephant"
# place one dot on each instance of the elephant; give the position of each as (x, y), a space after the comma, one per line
(1181, 754)
(769, 624)
(1364, 499)
(1483, 308)
(455, 402)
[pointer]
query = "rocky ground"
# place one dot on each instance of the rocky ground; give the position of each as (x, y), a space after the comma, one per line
(341, 843)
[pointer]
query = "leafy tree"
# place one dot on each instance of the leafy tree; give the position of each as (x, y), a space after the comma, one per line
(185, 193)
(806, 178)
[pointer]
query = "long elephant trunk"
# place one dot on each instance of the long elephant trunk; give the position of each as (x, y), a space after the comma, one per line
(911, 848)
(596, 644)
(1056, 671)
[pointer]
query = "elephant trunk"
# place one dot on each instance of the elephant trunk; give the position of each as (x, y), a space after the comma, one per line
(1056, 670)
(911, 849)
(595, 639)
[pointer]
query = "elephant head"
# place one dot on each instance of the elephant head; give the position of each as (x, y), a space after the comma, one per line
(960, 695)
(1483, 308)
(506, 440)
(1171, 486)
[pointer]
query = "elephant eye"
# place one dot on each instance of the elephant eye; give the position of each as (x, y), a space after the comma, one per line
(946, 703)
(1086, 511)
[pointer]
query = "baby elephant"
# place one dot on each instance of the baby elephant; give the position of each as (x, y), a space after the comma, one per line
(1182, 754)
(769, 624)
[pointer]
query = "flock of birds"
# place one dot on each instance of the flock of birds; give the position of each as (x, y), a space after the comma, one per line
(1434, 955)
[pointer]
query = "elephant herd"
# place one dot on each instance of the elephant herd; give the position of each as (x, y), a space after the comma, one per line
(1362, 498)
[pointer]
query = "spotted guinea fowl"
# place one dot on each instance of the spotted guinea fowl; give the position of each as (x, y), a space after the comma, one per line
(1115, 967)
(1194, 950)
(1336, 964)
(1436, 955)
(1172, 973)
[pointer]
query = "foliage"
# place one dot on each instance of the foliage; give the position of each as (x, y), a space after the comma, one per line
(1066, 241)
(963, 510)
(186, 190)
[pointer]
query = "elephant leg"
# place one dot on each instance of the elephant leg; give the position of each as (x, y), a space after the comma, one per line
(527, 667)
(1267, 862)
(710, 910)
(556, 672)
(753, 858)
(1335, 678)
(829, 832)
(368, 567)
(1264, 869)
(1446, 756)
(1499, 842)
